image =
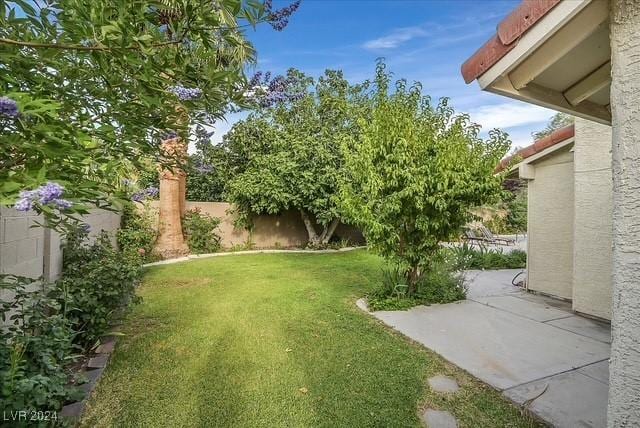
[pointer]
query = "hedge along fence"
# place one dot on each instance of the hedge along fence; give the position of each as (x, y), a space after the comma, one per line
(285, 230)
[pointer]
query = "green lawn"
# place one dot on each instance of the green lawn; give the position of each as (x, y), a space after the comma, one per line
(275, 340)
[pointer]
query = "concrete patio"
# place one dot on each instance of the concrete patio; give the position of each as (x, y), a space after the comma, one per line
(533, 348)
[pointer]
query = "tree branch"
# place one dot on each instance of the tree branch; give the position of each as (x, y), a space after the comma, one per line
(80, 47)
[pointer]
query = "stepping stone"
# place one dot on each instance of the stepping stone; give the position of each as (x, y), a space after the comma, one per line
(362, 304)
(439, 419)
(106, 347)
(98, 362)
(73, 410)
(443, 384)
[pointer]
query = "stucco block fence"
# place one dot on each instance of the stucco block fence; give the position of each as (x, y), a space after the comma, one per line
(285, 230)
(27, 249)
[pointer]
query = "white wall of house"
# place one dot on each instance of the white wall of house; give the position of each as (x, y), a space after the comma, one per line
(592, 234)
(550, 225)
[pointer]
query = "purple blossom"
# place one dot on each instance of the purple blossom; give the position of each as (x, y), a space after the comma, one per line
(47, 194)
(256, 79)
(8, 107)
(26, 201)
(62, 204)
(186, 94)
(204, 169)
(170, 135)
(268, 92)
(279, 19)
(126, 182)
(50, 192)
(152, 192)
(149, 192)
(85, 228)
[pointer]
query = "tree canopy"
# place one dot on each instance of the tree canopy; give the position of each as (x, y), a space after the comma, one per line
(557, 121)
(286, 155)
(87, 86)
(414, 174)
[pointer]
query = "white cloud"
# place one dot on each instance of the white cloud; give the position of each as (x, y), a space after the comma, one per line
(509, 115)
(395, 39)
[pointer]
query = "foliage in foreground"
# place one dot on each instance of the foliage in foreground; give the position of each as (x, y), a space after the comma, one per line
(97, 281)
(442, 283)
(415, 175)
(473, 257)
(50, 325)
(36, 345)
(88, 87)
(137, 234)
(200, 232)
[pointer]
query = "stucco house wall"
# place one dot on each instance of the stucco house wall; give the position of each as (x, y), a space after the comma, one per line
(593, 238)
(550, 225)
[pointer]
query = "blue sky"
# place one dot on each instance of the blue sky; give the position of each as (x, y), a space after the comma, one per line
(421, 40)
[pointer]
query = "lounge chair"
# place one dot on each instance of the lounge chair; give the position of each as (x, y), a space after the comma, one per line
(470, 236)
(484, 230)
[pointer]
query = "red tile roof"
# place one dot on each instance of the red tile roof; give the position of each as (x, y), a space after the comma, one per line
(508, 33)
(557, 136)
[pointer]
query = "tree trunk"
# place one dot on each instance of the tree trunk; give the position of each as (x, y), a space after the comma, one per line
(311, 231)
(327, 233)
(412, 278)
(170, 242)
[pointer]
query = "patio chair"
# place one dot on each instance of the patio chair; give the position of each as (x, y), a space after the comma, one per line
(484, 230)
(470, 236)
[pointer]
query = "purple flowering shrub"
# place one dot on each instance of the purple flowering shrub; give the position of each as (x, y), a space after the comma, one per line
(150, 192)
(49, 194)
(8, 108)
(268, 91)
(186, 94)
(279, 19)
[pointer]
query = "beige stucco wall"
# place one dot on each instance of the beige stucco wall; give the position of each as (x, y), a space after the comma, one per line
(624, 369)
(550, 225)
(592, 242)
(270, 231)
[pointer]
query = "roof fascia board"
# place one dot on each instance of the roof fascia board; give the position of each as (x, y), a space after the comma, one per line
(543, 153)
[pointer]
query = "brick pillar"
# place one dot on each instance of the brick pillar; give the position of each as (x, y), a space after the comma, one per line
(170, 241)
(624, 383)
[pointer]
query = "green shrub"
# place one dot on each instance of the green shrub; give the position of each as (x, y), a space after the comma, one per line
(35, 347)
(199, 231)
(97, 282)
(442, 283)
(469, 257)
(137, 234)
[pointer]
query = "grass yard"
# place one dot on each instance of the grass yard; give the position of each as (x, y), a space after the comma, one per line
(275, 340)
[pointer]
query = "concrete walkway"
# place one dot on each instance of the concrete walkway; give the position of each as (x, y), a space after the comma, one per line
(534, 349)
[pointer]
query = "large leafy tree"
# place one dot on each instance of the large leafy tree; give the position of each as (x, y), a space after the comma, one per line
(86, 86)
(415, 173)
(557, 121)
(287, 154)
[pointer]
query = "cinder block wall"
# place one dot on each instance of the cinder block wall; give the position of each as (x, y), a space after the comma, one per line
(270, 231)
(21, 245)
(27, 249)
